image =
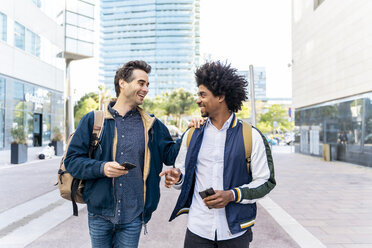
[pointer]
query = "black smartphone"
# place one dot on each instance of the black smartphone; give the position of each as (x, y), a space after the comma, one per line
(128, 166)
(207, 192)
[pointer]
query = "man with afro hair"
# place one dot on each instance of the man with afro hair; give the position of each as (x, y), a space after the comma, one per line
(215, 158)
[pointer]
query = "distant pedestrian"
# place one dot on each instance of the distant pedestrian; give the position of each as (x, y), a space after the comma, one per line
(216, 158)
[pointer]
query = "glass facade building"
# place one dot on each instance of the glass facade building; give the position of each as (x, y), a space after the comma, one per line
(31, 74)
(36, 108)
(345, 124)
(163, 33)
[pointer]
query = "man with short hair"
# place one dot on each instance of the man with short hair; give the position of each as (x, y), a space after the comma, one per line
(215, 157)
(121, 201)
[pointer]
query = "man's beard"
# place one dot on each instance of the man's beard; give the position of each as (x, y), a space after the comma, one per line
(206, 114)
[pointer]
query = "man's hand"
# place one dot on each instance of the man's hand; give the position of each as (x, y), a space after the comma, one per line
(197, 122)
(113, 169)
(220, 199)
(171, 176)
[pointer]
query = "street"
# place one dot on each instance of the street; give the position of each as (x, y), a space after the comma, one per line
(315, 204)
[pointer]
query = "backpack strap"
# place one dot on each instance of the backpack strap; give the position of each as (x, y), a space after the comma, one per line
(189, 136)
(99, 119)
(247, 137)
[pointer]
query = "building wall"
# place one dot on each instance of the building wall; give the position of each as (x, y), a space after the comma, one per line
(332, 50)
(45, 70)
(164, 33)
(31, 74)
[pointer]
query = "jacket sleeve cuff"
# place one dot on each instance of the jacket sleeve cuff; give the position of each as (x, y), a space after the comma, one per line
(237, 195)
(102, 169)
(180, 181)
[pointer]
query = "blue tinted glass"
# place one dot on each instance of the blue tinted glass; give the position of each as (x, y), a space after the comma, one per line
(19, 36)
(3, 26)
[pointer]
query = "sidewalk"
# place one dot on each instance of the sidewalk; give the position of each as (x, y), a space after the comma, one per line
(331, 200)
(32, 156)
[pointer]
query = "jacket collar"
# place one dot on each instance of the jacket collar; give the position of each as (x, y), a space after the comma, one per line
(145, 117)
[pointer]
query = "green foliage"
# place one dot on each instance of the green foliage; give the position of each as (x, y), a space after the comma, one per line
(57, 135)
(276, 113)
(245, 112)
(18, 134)
(87, 103)
(176, 103)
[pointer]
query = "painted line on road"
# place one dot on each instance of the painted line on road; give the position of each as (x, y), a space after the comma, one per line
(25, 209)
(295, 230)
(21, 225)
(26, 234)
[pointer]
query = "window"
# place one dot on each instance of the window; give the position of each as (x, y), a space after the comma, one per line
(19, 36)
(32, 43)
(2, 26)
(2, 111)
(368, 124)
(37, 3)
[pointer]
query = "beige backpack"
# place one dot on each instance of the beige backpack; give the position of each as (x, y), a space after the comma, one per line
(71, 188)
(247, 138)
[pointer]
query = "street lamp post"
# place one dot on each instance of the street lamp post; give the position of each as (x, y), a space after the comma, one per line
(253, 100)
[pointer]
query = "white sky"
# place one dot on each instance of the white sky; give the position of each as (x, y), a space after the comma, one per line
(243, 32)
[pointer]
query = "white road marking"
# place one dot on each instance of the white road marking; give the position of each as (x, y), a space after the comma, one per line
(295, 230)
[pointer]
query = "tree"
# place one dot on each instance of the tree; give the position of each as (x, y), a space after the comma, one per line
(179, 102)
(278, 114)
(87, 103)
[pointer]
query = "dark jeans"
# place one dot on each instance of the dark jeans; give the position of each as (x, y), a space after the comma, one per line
(104, 234)
(192, 241)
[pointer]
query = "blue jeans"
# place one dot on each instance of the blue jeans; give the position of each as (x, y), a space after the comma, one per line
(104, 234)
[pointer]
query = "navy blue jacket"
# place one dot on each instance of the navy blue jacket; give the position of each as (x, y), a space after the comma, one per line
(99, 190)
(239, 216)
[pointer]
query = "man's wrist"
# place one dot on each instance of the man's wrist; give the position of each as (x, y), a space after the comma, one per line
(180, 180)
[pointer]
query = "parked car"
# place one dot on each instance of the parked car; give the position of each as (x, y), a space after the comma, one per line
(289, 138)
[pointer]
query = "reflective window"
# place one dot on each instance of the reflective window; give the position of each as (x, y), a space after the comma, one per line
(46, 129)
(2, 92)
(368, 125)
(17, 118)
(3, 27)
(29, 127)
(32, 43)
(19, 36)
(29, 92)
(37, 3)
(18, 95)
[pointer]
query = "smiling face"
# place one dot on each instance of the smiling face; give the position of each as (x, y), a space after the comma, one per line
(136, 90)
(208, 103)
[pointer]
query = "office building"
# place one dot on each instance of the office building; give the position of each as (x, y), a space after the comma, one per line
(332, 87)
(31, 75)
(259, 74)
(163, 33)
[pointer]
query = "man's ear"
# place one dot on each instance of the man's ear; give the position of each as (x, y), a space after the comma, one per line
(221, 98)
(121, 83)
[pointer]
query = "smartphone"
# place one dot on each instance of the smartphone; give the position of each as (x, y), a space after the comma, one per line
(207, 192)
(128, 166)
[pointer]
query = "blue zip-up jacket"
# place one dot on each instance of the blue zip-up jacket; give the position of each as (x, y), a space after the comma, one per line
(99, 190)
(240, 214)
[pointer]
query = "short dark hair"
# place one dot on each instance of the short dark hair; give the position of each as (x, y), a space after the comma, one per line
(223, 80)
(126, 72)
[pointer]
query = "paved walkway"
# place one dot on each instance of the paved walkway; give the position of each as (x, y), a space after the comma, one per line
(332, 200)
(32, 157)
